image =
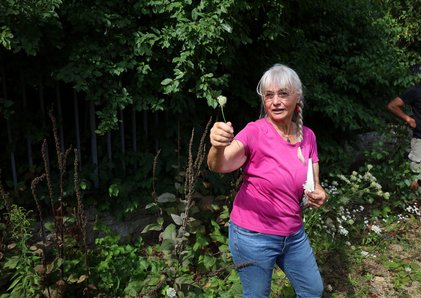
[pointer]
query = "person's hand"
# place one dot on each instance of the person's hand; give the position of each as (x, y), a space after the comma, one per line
(411, 122)
(316, 198)
(221, 134)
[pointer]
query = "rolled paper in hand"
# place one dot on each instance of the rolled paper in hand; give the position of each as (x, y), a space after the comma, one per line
(309, 185)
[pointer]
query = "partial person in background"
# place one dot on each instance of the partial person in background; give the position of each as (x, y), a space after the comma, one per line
(266, 224)
(412, 98)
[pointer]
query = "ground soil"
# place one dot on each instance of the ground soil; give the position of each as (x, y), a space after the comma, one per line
(367, 272)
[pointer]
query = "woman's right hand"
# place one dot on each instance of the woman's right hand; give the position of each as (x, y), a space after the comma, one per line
(226, 154)
(221, 134)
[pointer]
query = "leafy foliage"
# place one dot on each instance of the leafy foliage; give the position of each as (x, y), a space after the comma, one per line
(173, 59)
(185, 252)
(160, 56)
(25, 281)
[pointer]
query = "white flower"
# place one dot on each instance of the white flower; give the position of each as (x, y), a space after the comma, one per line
(343, 231)
(364, 253)
(329, 288)
(222, 100)
(376, 229)
(171, 292)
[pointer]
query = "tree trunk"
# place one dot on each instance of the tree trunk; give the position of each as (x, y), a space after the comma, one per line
(42, 102)
(60, 117)
(134, 129)
(27, 136)
(156, 127)
(123, 146)
(12, 156)
(94, 149)
(9, 130)
(77, 128)
(109, 147)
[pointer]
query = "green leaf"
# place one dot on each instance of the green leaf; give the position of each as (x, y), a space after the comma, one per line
(152, 227)
(12, 262)
(169, 232)
(184, 280)
(177, 219)
(167, 245)
(166, 197)
(114, 190)
(392, 265)
(207, 261)
(201, 242)
(151, 205)
(166, 82)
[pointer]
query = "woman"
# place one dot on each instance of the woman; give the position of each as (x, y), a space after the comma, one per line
(266, 224)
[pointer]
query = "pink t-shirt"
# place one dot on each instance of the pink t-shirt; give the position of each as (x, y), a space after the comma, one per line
(269, 198)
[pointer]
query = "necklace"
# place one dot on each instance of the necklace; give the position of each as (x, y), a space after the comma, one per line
(285, 136)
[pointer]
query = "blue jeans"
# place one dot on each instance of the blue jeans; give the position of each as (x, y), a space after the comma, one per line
(255, 254)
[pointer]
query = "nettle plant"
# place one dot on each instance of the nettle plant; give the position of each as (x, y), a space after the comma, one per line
(195, 252)
(25, 279)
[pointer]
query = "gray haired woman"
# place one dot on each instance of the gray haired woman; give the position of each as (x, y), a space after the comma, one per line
(266, 226)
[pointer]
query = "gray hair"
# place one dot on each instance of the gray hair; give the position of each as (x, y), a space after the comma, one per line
(286, 78)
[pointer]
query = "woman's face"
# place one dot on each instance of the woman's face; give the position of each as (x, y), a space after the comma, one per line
(280, 103)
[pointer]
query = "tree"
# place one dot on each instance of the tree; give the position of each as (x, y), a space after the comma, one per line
(178, 56)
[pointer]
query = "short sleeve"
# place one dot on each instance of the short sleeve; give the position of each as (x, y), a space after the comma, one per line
(245, 136)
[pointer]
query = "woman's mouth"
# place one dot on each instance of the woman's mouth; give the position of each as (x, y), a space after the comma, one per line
(278, 111)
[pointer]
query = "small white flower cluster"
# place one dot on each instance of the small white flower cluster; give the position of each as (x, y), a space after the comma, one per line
(355, 188)
(413, 210)
(359, 184)
(329, 288)
(222, 100)
(171, 292)
(332, 188)
(400, 218)
(348, 218)
(343, 178)
(343, 231)
(376, 229)
(364, 253)
(346, 191)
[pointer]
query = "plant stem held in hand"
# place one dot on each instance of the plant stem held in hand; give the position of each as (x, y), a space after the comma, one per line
(222, 100)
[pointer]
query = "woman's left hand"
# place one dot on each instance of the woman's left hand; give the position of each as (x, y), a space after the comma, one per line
(316, 198)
